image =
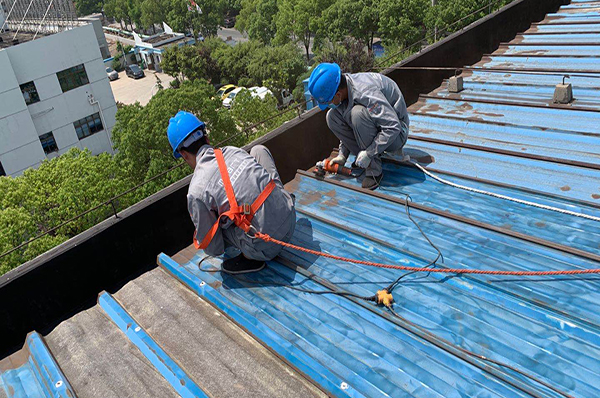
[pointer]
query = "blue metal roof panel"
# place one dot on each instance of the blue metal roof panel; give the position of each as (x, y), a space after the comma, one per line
(554, 179)
(499, 113)
(528, 139)
(560, 228)
(463, 244)
(510, 78)
(377, 359)
(551, 63)
(581, 4)
(33, 373)
(591, 50)
(568, 31)
(566, 34)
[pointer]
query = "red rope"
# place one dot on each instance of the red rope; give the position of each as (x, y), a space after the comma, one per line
(268, 238)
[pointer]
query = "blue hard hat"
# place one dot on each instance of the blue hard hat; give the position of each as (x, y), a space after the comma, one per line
(324, 82)
(180, 127)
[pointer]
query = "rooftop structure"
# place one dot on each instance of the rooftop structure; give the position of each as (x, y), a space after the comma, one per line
(10, 39)
(49, 16)
(55, 96)
(151, 47)
(171, 330)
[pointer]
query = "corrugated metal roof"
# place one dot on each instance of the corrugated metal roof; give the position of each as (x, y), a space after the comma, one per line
(502, 134)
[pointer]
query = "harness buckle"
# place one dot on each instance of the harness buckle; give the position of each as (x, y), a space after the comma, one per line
(246, 209)
(251, 233)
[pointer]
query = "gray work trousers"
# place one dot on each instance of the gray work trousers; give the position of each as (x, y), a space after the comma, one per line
(259, 250)
(263, 157)
(358, 133)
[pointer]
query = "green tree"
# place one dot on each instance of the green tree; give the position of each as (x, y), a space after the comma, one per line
(350, 55)
(211, 18)
(277, 67)
(257, 18)
(128, 11)
(296, 21)
(193, 62)
(87, 7)
(234, 61)
(116, 9)
(58, 190)
(451, 15)
(179, 17)
(356, 18)
(143, 148)
(248, 111)
(152, 13)
(402, 22)
(232, 7)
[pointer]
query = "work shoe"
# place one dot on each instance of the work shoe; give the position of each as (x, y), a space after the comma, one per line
(372, 182)
(241, 265)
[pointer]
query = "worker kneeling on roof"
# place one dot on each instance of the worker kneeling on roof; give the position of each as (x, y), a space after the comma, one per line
(367, 114)
(232, 194)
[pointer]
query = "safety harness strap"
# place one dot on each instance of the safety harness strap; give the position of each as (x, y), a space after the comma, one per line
(241, 215)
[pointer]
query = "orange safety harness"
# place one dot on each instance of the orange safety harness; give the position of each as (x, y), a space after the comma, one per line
(240, 215)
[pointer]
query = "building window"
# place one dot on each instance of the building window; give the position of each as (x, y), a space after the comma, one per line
(29, 93)
(48, 143)
(88, 125)
(2, 172)
(72, 78)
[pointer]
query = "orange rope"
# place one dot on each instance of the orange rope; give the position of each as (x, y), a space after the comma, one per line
(268, 238)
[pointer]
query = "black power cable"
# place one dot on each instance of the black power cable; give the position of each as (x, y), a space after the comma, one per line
(288, 286)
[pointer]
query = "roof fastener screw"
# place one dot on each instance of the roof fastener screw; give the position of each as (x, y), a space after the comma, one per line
(344, 386)
(58, 384)
(202, 283)
(138, 329)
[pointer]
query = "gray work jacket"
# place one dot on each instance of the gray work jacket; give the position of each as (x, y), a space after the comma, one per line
(385, 103)
(207, 199)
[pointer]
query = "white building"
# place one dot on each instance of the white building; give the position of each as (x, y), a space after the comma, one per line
(152, 47)
(54, 95)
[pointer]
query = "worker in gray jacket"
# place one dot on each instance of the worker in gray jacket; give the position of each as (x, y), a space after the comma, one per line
(231, 195)
(367, 114)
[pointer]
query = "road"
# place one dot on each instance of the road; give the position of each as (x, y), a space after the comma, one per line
(236, 35)
(128, 91)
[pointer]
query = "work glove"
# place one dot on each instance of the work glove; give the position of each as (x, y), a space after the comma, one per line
(339, 159)
(363, 160)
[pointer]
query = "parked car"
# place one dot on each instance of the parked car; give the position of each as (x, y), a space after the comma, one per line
(134, 71)
(260, 92)
(228, 101)
(225, 90)
(112, 74)
(287, 98)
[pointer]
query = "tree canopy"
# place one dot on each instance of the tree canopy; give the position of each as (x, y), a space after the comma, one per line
(58, 190)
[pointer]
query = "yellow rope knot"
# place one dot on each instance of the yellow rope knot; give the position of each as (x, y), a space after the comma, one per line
(384, 297)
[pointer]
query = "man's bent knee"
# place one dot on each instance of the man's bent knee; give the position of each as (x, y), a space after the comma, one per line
(258, 150)
(358, 113)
